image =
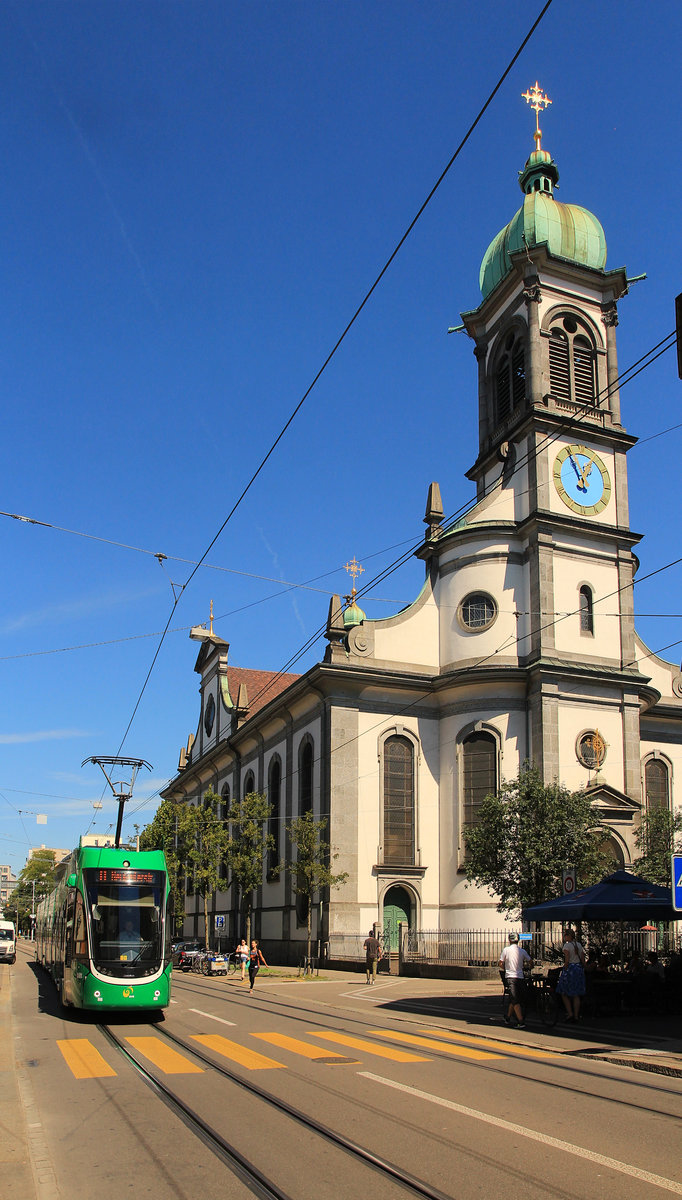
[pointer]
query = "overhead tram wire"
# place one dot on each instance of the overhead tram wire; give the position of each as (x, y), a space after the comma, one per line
(626, 377)
(334, 349)
(628, 374)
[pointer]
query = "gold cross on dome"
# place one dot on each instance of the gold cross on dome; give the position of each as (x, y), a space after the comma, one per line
(211, 618)
(538, 101)
(353, 568)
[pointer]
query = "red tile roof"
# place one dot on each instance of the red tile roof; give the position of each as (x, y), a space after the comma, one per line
(261, 686)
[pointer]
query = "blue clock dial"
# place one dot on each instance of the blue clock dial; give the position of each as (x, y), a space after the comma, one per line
(582, 480)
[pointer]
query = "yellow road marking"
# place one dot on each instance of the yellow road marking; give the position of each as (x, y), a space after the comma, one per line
(83, 1059)
(296, 1047)
(236, 1053)
(430, 1044)
(345, 1039)
(507, 1048)
(164, 1057)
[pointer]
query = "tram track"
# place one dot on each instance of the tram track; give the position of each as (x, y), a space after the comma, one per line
(257, 1182)
(575, 1067)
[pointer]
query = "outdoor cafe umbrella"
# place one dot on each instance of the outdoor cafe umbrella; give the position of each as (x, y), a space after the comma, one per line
(619, 897)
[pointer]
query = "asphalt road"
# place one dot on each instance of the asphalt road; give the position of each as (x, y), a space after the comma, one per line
(465, 1107)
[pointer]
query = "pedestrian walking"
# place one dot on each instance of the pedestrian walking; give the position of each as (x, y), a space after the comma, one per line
(256, 960)
(571, 984)
(372, 956)
(513, 959)
(242, 954)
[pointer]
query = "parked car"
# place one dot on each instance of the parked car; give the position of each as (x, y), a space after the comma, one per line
(180, 948)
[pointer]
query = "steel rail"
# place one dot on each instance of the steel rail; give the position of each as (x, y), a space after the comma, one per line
(506, 1050)
(382, 1165)
(250, 1175)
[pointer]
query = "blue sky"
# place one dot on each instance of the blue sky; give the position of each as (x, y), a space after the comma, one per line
(194, 198)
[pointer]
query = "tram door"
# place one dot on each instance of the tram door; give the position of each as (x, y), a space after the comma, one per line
(397, 908)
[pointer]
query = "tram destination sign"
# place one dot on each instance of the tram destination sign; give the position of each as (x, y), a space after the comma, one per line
(125, 875)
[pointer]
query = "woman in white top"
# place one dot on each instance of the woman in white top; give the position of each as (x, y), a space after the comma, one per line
(571, 985)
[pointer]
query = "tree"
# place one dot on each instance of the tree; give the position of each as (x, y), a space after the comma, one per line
(658, 837)
(247, 847)
(207, 849)
(34, 882)
(527, 834)
(310, 871)
(171, 831)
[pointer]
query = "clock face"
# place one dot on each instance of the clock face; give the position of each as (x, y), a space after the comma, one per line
(581, 479)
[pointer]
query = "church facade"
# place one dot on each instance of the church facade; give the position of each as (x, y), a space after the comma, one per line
(521, 645)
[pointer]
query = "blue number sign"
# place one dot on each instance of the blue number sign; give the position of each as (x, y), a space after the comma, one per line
(677, 882)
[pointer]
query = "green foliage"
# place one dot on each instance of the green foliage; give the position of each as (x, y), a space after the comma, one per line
(36, 879)
(527, 834)
(310, 872)
(658, 837)
(208, 845)
(171, 830)
(247, 847)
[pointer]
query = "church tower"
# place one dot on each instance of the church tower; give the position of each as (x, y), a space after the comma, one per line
(539, 573)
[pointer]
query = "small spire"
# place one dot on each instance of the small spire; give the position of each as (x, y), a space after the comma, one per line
(211, 620)
(353, 568)
(537, 100)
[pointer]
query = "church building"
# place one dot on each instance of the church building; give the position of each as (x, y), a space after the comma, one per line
(520, 646)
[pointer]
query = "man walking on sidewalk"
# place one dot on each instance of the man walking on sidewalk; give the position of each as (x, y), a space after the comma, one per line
(372, 956)
(512, 961)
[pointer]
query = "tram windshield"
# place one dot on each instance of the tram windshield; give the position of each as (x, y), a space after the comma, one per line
(126, 919)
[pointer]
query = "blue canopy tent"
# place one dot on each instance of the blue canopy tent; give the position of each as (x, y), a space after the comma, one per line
(619, 897)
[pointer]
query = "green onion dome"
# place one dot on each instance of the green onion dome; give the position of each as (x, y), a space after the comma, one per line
(568, 231)
(353, 615)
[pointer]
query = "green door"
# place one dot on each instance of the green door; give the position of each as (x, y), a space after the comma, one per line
(397, 908)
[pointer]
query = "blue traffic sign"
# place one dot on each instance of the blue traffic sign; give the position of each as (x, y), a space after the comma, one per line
(677, 882)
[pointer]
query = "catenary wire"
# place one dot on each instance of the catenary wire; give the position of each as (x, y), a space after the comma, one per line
(331, 354)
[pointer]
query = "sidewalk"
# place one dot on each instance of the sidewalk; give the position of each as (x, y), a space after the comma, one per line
(15, 1158)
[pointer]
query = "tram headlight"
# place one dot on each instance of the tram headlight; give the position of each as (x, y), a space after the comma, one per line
(98, 995)
(157, 993)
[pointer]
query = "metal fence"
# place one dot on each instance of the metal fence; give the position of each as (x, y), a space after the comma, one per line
(482, 947)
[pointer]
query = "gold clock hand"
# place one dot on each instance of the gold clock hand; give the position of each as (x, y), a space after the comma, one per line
(585, 472)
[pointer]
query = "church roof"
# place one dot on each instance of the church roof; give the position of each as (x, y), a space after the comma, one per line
(261, 686)
(568, 231)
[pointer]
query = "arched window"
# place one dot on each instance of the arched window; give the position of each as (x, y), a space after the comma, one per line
(224, 810)
(479, 773)
(398, 839)
(586, 609)
(656, 784)
(510, 377)
(306, 756)
(572, 362)
(249, 784)
(305, 778)
(274, 790)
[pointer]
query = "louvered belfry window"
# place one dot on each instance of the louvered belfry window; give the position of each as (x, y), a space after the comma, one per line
(656, 784)
(479, 773)
(398, 801)
(572, 363)
(510, 378)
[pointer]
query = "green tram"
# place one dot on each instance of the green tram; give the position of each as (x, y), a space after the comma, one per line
(104, 934)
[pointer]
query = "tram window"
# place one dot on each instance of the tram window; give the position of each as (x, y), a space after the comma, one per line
(80, 934)
(126, 923)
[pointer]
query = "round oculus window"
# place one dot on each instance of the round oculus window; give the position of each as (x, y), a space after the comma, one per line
(591, 749)
(477, 612)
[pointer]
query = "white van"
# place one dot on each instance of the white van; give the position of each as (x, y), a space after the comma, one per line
(8, 942)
